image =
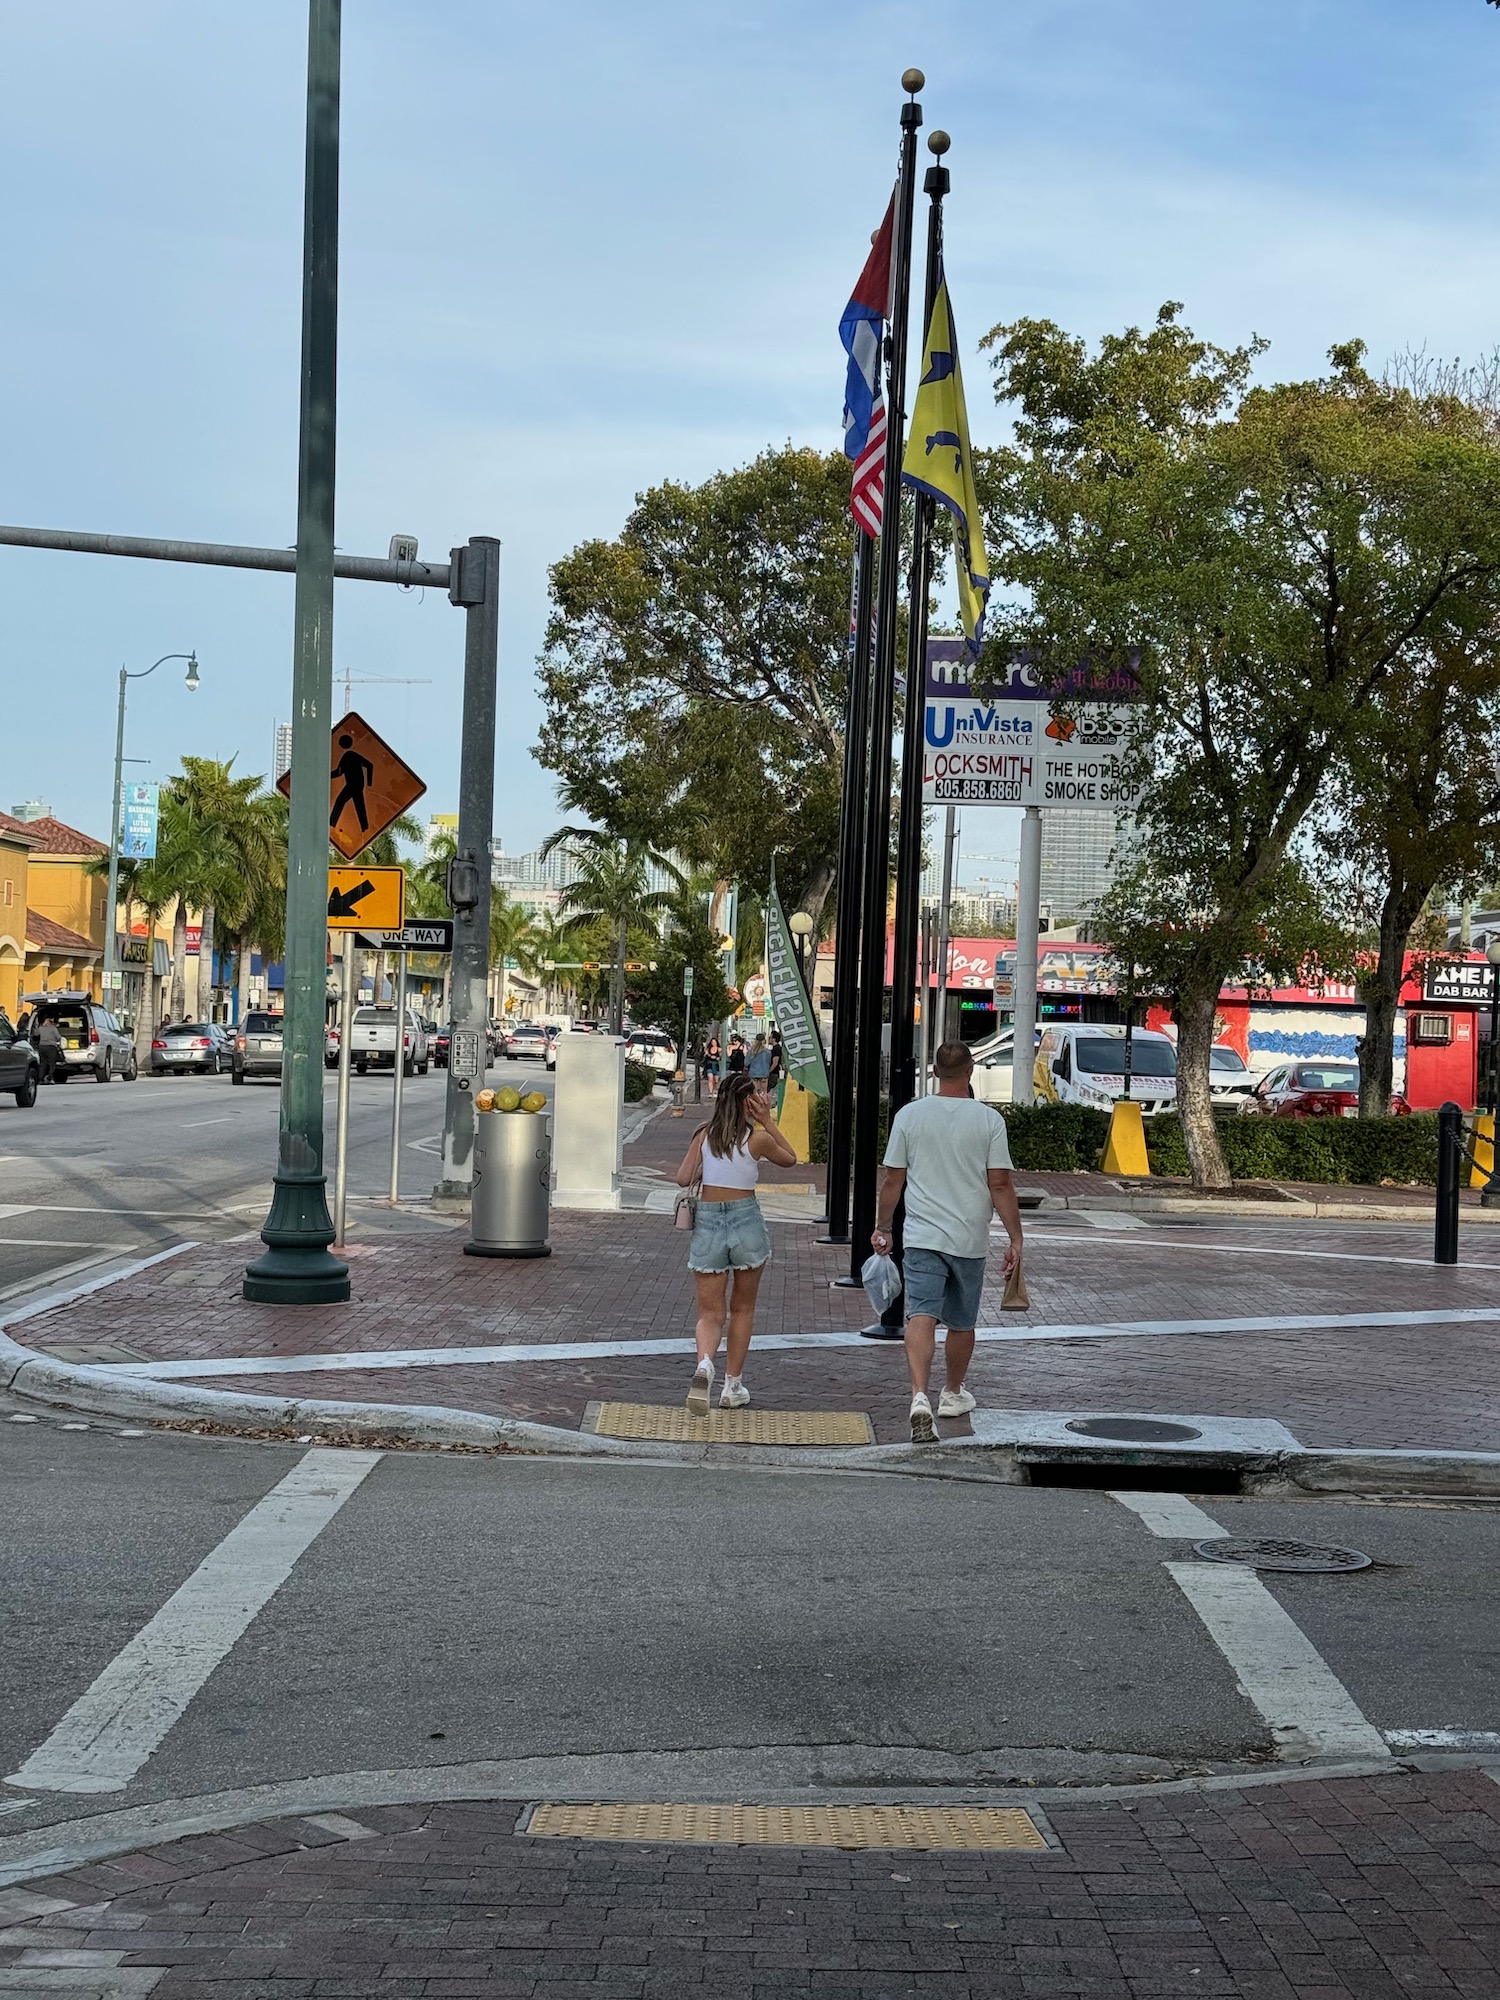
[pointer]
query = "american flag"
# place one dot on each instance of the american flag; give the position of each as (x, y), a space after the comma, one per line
(862, 331)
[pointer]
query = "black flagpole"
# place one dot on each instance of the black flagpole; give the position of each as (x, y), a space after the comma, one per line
(847, 910)
(882, 710)
(909, 836)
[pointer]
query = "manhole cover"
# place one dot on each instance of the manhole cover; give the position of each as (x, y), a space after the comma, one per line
(1132, 1430)
(1269, 1552)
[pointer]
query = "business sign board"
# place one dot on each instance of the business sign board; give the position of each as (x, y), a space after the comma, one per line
(1467, 985)
(142, 811)
(1007, 748)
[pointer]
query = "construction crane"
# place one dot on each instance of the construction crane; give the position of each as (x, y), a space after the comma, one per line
(352, 680)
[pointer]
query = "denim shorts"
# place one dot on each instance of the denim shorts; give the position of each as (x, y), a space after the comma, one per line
(729, 1236)
(942, 1287)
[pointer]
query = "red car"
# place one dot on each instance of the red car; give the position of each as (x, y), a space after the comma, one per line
(1315, 1089)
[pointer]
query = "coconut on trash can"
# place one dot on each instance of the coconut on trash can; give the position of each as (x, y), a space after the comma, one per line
(512, 1177)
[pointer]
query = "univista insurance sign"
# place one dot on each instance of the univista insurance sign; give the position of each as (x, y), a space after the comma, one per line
(1006, 747)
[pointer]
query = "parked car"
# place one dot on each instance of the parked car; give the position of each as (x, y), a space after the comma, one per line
(93, 1038)
(1077, 1064)
(188, 1046)
(1314, 1089)
(1231, 1082)
(331, 1039)
(526, 1039)
(373, 1041)
(649, 1046)
(438, 1044)
(257, 1047)
(20, 1065)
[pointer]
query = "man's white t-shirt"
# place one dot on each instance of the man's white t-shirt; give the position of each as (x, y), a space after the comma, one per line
(946, 1145)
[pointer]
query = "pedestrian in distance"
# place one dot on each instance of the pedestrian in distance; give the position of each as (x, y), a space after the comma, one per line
(49, 1043)
(950, 1155)
(778, 1060)
(758, 1063)
(713, 1057)
(734, 1062)
(730, 1244)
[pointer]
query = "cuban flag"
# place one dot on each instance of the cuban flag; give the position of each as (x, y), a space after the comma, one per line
(862, 330)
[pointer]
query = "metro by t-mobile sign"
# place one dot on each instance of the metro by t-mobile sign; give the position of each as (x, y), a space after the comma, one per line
(1005, 747)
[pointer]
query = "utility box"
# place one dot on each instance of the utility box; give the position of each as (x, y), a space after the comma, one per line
(588, 1121)
(512, 1185)
(1442, 1057)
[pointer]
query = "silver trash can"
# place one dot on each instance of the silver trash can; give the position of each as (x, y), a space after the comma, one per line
(512, 1184)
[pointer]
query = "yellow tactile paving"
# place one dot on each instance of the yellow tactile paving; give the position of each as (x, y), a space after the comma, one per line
(672, 1424)
(979, 1827)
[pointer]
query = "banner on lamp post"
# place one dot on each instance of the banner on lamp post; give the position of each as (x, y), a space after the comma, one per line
(142, 809)
(801, 1043)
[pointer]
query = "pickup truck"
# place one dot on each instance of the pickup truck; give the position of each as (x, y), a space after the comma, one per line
(372, 1044)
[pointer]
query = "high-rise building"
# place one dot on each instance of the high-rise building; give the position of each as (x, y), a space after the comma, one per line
(281, 757)
(1076, 848)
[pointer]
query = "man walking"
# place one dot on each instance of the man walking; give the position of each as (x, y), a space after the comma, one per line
(951, 1156)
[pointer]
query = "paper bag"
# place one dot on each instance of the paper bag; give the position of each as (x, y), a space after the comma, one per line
(1017, 1299)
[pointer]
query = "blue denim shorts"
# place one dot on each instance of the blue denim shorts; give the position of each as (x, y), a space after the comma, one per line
(942, 1287)
(729, 1236)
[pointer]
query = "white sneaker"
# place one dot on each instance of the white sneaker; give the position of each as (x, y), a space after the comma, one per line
(700, 1389)
(735, 1395)
(955, 1403)
(921, 1420)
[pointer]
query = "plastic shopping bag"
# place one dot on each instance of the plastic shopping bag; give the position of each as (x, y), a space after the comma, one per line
(882, 1281)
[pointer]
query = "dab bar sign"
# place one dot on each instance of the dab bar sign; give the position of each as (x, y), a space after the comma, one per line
(1007, 748)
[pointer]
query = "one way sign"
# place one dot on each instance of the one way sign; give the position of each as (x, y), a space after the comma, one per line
(366, 899)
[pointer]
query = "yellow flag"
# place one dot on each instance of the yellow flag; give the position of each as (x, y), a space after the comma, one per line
(939, 461)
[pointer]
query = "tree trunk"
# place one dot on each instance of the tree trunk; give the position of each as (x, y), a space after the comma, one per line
(205, 1004)
(177, 1006)
(617, 981)
(1196, 1007)
(242, 978)
(816, 891)
(1380, 989)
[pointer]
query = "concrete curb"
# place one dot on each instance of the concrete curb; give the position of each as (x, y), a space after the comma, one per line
(1294, 1209)
(1331, 1470)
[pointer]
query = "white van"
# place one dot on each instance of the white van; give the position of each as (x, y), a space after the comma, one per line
(1086, 1065)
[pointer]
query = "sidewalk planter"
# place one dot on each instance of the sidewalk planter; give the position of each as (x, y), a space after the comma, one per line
(1369, 1152)
(512, 1184)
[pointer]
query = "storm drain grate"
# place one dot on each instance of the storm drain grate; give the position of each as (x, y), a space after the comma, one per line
(685, 1823)
(673, 1424)
(1269, 1552)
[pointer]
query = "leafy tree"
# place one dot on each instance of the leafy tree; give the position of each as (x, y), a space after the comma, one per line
(1268, 559)
(694, 670)
(656, 997)
(611, 887)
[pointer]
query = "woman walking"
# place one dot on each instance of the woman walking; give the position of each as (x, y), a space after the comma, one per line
(712, 1057)
(730, 1246)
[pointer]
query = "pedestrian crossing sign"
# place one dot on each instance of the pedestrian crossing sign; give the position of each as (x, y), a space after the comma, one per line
(369, 786)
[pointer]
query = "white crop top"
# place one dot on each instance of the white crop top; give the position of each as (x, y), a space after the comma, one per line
(740, 1169)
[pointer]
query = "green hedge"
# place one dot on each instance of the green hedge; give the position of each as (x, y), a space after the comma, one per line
(1069, 1138)
(640, 1081)
(1367, 1151)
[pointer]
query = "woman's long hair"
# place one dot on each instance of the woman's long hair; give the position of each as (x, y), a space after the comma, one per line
(731, 1125)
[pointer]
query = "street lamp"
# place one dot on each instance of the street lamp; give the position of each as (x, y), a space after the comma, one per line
(111, 949)
(801, 925)
(1489, 1196)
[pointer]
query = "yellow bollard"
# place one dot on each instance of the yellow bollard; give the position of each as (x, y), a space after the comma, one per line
(1125, 1149)
(1484, 1151)
(795, 1120)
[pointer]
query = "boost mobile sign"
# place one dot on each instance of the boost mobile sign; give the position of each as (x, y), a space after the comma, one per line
(1008, 749)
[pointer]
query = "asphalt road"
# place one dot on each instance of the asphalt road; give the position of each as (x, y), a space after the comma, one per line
(99, 1174)
(682, 1624)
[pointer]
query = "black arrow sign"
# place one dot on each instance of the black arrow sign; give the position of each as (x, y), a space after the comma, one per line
(341, 902)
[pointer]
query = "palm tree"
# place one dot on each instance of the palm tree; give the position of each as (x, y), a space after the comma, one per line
(229, 845)
(612, 886)
(511, 937)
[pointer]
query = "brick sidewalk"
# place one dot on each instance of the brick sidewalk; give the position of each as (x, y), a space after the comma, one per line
(623, 1277)
(1375, 1888)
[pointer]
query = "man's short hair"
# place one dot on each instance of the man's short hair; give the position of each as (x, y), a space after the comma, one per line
(953, 1059)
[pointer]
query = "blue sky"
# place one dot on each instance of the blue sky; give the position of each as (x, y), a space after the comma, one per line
(586, 248)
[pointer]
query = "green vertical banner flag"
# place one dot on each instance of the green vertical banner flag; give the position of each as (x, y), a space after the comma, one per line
(793, 1010)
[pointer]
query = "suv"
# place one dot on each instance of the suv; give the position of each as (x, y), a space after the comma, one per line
(20, 1065)
(257, 1047)
(655, 1050)
(93, 1038)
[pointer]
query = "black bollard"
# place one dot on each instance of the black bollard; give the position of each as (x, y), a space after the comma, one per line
(1445, 1232)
